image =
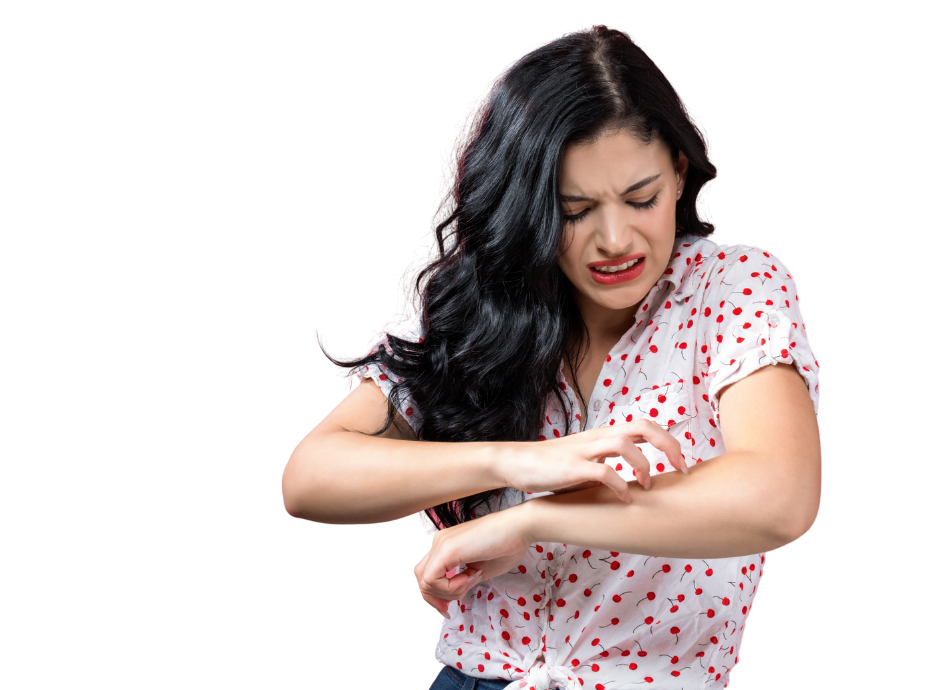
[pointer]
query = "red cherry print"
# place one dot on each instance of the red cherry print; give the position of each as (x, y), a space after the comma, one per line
(607, 382)
(615, 565)
(653, 413)
(526, 641)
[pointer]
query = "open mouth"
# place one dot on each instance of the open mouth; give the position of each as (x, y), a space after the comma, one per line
(618, 273)
(614, 269)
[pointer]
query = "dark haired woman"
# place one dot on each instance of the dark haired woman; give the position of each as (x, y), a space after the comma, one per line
(576, 301)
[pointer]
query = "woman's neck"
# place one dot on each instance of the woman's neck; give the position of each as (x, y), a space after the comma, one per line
(605, 326)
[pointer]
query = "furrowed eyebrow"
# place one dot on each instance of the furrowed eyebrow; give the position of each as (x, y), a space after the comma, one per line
(632, 188)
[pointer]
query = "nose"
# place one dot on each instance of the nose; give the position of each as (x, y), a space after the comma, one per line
(614, 232)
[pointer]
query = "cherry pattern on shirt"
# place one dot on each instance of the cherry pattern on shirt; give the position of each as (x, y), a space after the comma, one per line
(572, 617)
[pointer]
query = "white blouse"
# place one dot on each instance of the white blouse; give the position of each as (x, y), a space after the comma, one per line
(569, 616)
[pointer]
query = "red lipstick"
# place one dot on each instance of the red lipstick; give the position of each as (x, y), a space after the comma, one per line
(623, 276)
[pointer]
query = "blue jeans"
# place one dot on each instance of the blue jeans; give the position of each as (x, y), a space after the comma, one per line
(452, 679)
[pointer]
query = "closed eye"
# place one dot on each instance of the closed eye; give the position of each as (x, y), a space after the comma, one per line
(639, 205)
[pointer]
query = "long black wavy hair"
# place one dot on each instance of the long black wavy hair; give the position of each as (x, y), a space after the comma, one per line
(497, 315)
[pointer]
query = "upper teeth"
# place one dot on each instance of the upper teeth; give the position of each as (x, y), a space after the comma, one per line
(614, 269)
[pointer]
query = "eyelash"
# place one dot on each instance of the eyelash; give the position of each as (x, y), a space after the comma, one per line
(639, 206)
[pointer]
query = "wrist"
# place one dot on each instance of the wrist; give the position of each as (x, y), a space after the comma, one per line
(498, 460)
(524, 518)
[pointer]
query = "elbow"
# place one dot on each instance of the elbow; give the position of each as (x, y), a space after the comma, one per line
(296, 501)
(291, 501)
(797, 520)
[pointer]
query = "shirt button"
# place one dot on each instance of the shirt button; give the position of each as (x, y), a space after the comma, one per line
(773, 320)
(597, 406)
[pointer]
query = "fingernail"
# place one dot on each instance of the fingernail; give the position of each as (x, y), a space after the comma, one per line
(445, 616)
(474, 578)
(685, 470)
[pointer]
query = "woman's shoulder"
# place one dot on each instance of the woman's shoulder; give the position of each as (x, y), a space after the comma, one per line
(404, 327)
(708, 252)
(713, 265)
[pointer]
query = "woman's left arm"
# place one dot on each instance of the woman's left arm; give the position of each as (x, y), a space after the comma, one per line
(761, 494)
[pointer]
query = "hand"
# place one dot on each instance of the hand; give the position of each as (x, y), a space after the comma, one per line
(575, 462)
(488, 546)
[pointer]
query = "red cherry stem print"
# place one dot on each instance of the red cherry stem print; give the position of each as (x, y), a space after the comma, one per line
(646, 621)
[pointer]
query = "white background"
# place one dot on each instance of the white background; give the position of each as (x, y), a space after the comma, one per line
(190, 190)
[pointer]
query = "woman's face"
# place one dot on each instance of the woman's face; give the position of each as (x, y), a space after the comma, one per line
(619, 195)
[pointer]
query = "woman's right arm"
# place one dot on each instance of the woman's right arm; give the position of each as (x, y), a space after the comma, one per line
(340, 474)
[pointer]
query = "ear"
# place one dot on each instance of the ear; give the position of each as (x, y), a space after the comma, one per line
(681, 167)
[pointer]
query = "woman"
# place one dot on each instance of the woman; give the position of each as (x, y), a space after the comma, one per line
(575, 300)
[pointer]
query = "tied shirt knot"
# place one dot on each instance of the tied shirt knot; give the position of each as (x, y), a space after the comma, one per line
(541, 676)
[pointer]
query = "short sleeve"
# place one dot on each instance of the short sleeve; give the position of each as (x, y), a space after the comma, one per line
(384, 378)
(751, 319)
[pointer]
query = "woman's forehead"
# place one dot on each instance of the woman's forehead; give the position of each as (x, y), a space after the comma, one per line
(612, 162)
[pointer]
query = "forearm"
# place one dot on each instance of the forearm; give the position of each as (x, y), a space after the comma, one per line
(723, 508)
(345, 477)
